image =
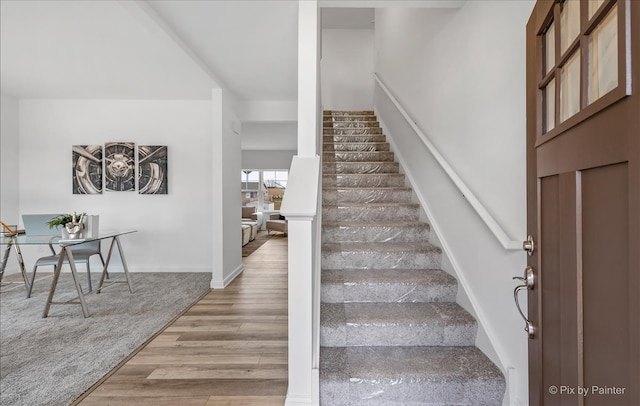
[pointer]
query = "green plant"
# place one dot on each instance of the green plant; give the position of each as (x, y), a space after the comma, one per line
(63, 219)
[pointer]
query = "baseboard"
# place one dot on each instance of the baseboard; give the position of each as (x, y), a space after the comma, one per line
(293, 400)
(221, 284)
(162, 268)
(116, 268)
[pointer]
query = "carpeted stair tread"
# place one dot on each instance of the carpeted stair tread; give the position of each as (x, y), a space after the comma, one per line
(356, 139)
(366, 189)
(355, 146)
(352, 131)
(363, 180)
(359, 119)
(415, 376)
(374, 224)
(360, 167)
(350, 124)
(382, 247)
(367, 195)
(358, 156)
(406, 255)
(395, 324)
(347, 112)
(377, 231)
(371, 211)
(387, 285)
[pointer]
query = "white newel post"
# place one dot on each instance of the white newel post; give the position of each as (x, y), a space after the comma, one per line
(300, 310)
(300, 207)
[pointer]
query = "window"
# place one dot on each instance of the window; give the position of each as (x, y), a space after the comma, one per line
(583, 64)
(603, 57)
(263, 188)
(250, 186)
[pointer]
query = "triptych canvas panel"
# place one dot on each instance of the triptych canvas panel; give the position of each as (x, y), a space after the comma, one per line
(115, 170)
(87, 169)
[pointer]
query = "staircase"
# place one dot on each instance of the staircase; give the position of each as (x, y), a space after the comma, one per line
(391, 332)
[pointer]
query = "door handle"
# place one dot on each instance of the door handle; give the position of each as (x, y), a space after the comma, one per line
(529, 283)
(529, 278)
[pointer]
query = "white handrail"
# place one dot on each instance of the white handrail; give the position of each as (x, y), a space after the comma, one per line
(507, 242)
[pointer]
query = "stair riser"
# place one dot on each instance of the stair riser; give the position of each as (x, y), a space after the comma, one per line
(344, 119)
(343, 113)
(360, 167)
(356, 147)
(346, 139)
(387, 392)
(350, 124)
(379, 260)
(397, 324)
(408, 376)
(394, 180)
(345, 232)
(385, 293)
(340, 156)
(387, 286)
(366, 196)
(416, 334)
(371, 213)
(347, 132)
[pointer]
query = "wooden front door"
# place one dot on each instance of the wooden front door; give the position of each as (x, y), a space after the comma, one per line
(583, 184)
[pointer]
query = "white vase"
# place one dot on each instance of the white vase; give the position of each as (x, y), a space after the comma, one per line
(90, 229)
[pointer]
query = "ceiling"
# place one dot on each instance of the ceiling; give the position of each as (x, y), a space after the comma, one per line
(170, 49)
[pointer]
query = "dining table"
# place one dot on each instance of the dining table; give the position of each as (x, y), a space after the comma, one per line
(14, 242)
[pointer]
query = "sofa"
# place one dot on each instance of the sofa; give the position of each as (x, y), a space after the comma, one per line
(276, 223)
(251, 214)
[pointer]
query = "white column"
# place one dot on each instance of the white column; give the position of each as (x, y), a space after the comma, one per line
(300, 207)
(299, 391)
(217, 226)
(308, 107)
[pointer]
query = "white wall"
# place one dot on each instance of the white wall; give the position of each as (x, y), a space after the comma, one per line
(269, 136)
(259, 159)
(173, 233)
(461, 76)
(9, 170)
(347, 69)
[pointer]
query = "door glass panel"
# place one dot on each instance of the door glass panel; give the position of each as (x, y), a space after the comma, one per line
(570, 87)
(594, 5)
(549, 49)
(550, 106)
(603, 57)
(569, 23)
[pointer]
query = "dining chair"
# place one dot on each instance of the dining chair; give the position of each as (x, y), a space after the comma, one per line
(81, 254)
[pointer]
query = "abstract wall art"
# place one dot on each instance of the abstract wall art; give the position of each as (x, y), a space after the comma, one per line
(86, 169)
(152, 170)
(119, 166)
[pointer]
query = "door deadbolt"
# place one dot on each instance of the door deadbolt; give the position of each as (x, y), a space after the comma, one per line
(529, 245)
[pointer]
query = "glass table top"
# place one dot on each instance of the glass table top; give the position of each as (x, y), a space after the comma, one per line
(24, 239)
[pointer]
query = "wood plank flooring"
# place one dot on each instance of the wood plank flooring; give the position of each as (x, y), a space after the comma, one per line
(229, 349)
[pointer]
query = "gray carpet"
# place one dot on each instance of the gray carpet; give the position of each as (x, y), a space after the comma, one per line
(54, 360)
